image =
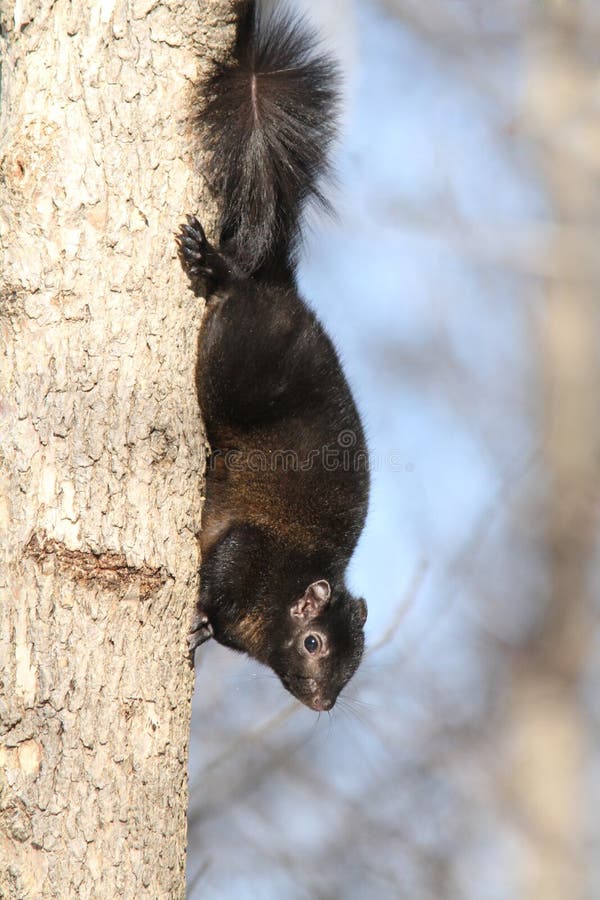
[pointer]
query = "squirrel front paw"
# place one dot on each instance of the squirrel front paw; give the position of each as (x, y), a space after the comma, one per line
(201, 631)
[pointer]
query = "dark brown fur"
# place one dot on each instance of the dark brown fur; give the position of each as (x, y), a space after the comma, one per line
(287, 484)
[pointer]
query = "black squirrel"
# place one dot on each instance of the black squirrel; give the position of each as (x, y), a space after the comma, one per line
(287, 482)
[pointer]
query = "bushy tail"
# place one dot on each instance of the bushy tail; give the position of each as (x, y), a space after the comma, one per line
(268, 117)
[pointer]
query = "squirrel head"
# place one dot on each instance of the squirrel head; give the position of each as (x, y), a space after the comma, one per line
(322, 645)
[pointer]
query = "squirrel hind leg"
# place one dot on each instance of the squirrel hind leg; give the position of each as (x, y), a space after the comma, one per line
(200, 261)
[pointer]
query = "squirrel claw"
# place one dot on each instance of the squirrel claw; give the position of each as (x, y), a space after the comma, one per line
(192, 246)
(201, 631)
(199, 259)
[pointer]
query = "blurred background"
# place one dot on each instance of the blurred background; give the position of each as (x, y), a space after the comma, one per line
(460, 283)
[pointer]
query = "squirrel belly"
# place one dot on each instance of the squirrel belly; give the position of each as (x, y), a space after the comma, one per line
(287, 483)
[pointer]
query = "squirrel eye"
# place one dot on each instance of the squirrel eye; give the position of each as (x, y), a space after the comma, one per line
(312, 643)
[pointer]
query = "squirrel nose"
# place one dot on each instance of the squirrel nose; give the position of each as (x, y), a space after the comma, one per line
(321, 704)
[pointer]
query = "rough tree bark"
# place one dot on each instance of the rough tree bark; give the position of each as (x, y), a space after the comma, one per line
(101, 444)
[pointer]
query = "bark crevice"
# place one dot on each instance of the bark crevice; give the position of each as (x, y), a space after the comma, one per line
(107, 570)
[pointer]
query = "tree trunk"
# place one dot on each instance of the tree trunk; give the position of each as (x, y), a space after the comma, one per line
(550, 728)
(102, 448)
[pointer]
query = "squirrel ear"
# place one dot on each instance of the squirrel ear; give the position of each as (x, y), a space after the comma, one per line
(313, 601)
(362, 611)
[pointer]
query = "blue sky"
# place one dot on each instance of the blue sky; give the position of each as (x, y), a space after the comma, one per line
(434, 337)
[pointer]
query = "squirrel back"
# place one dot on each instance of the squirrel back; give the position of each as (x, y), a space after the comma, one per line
(268, 116)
